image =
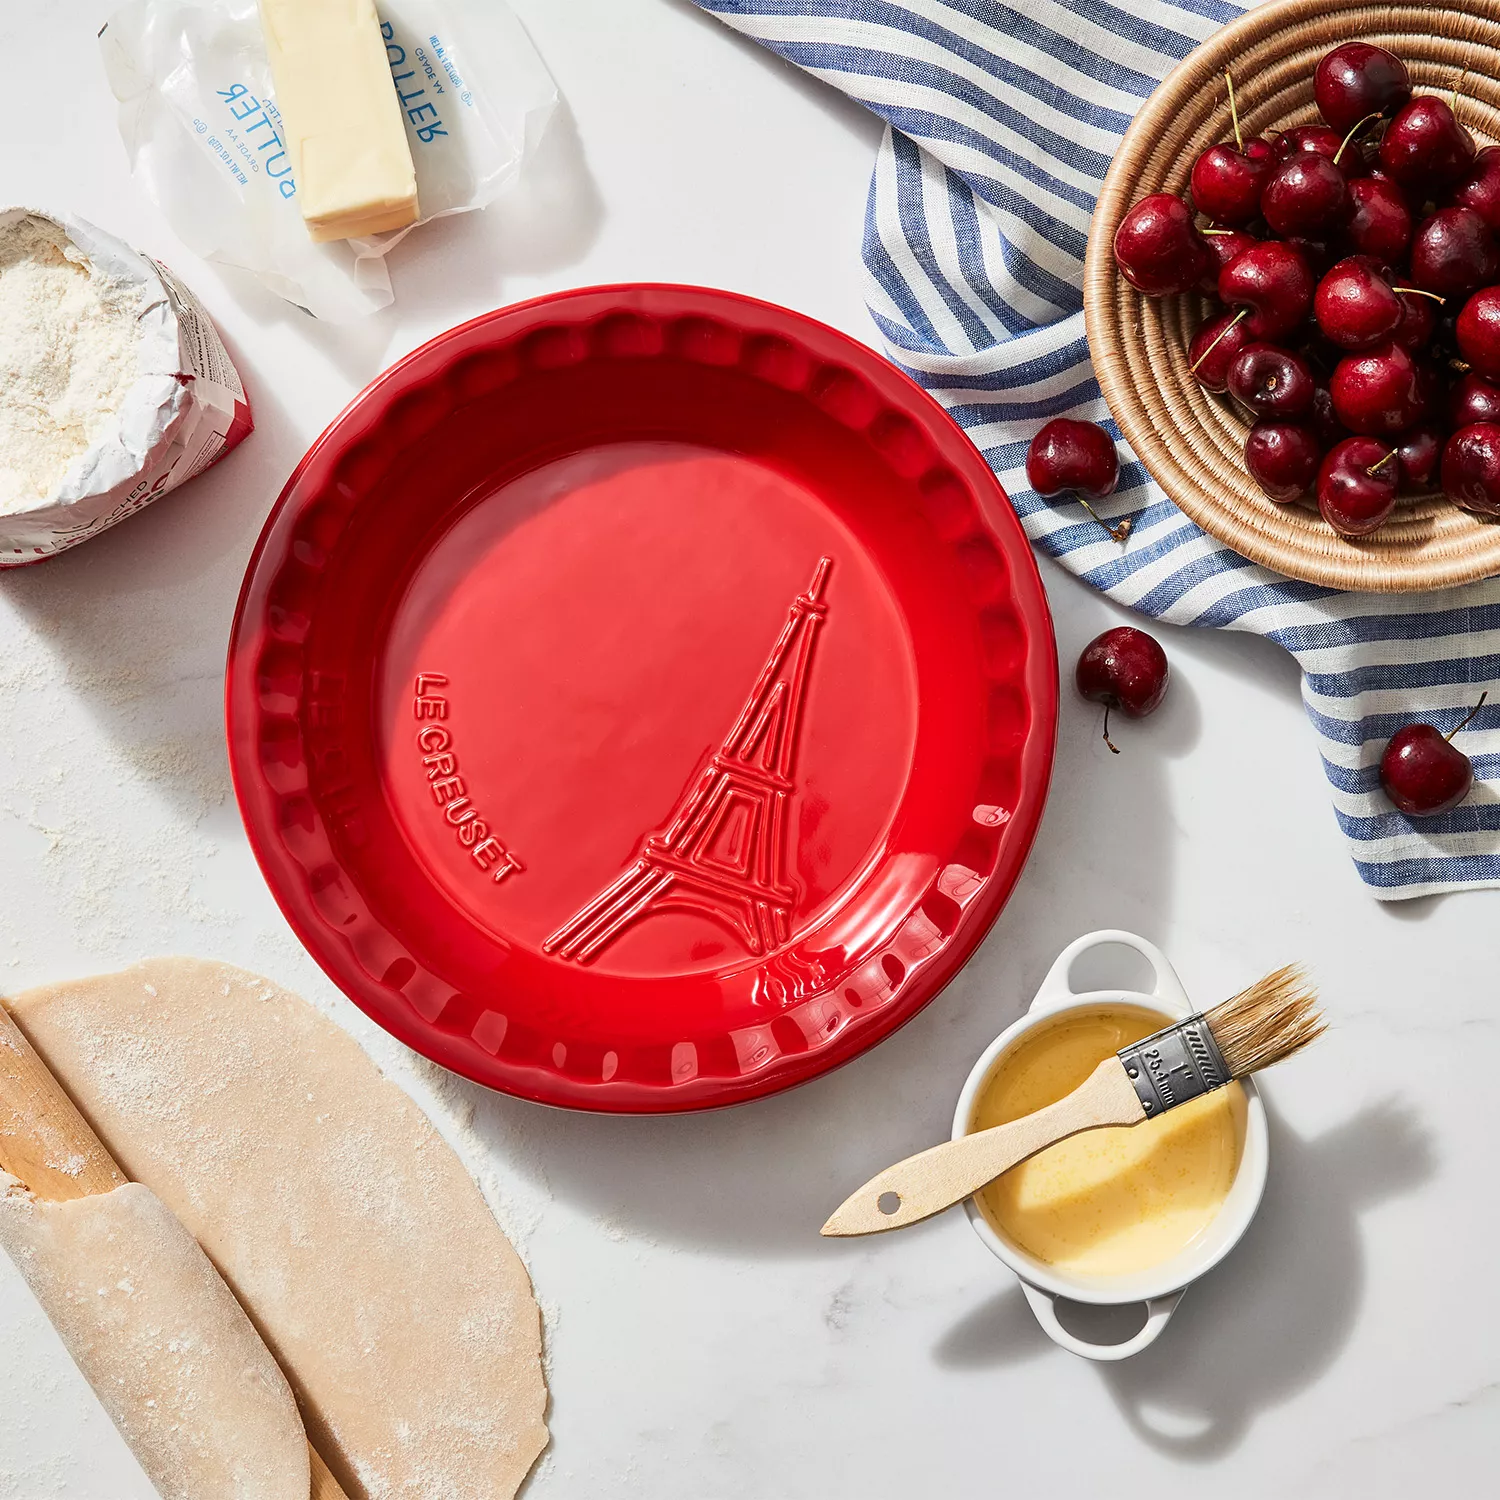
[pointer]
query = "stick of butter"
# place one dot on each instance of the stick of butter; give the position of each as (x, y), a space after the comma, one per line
(343, 123)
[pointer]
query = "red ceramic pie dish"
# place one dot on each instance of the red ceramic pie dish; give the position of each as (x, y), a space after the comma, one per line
(641, 699)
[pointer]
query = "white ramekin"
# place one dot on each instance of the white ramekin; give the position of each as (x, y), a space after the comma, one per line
(1161, 1287)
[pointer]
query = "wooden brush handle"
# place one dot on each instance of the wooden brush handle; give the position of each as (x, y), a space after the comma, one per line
(47, 1145)
(944, 1175)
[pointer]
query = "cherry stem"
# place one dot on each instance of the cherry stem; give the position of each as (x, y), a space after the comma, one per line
(1381, 463)
(1456, 727)
(1119, 532)
(1244, 312)
(1114, 749)
(1459, 366)
(1354, 130)
(1218, 231)
(1234, 117)
(1416, 291)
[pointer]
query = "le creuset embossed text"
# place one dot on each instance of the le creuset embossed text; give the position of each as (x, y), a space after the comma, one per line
(642, 699)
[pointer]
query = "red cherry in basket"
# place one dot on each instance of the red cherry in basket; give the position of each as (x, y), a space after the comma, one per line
(1453, 253)
(1305, 195)
(1325, 420)
(1473, 399)
(1478, 332)
(1422, 771)
(1357, 485)
(1224, 245)
(1425, 148)
(1420, 454)
(1272, 382)
(1274, 282)
(1213, 349)
(1418, 321)
(1358, 80)
(1318, 139)
(1377, 392)
(1480, 190)
(1157, 247)
(1226, 181)
(1283, 458)
(1432, 392)
(1077, 456)
(1126, 669)
(1379, 221)
(1471, 468)
(1355, 305)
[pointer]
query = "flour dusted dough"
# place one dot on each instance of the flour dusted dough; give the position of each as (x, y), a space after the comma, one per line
(347, 1227)
(168, 1350)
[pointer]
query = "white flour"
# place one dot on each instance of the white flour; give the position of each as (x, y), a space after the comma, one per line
(68, 357)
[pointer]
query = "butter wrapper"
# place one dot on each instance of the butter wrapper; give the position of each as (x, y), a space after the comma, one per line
(185, 410)
(205, 139)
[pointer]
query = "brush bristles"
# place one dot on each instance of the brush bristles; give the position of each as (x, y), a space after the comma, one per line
(1274, 1018)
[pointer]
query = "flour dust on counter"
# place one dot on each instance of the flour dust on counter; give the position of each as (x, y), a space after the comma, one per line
(348, 1229)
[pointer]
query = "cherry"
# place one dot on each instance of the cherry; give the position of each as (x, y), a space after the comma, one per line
(1377, 392)
(1357, 485)
(1325, 420)
(1423, 772)
(1358, 80)
(1355, 305)
(1157, 247)
(1223, 246)
(1471, 468)
(1419, 452)
(1473, 399)
(1315, 138)
(1077, 456)
(1272, 382)
(1227, 180)
(1213, 350)
(1304, 195)
(1453, 253)
(1126, 669)
(1480, 190)
(1432, 392)
(1425, 148)
(1275, 282)
(1319, 254)
(1283, 458)
(1379, 221)
(1478, 332)
(1418, 320)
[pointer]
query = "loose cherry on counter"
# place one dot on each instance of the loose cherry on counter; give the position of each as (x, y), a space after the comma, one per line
(1423, 772)
(1453, 253)
(1377, 393)
(1158, 248)
(1357, 485)
(1272, 382)
(1471, 468)
(1077, 456)
(1425, 148)
(1307, 195)
(1478, 332)
(1283, 458)
(1420, 454)
(1480, 190)
(1274, 282)
(1473, 399)
(1379, 221)
(1126, 669)
(1358, 80)
(1213, 350)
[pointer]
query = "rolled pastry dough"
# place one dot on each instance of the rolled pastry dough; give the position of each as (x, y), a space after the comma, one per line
(346, 1226)
(169, 1352)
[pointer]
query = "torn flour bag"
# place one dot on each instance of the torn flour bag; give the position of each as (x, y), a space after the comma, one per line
(199, 120)
(114, 385)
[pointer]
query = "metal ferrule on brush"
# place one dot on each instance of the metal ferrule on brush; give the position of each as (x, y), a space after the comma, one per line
(1175, 1064)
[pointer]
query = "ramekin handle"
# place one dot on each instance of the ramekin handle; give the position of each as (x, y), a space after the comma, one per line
(1159, 1311)
(1057, 990)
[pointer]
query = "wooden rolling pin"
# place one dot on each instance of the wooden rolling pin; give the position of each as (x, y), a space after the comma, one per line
(39, 1124)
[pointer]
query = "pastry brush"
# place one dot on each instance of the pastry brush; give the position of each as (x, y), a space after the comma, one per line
(1261, 1025)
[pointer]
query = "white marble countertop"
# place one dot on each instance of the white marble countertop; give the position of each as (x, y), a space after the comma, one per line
(703, 1342)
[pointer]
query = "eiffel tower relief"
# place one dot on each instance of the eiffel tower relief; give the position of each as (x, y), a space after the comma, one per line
(722, 853)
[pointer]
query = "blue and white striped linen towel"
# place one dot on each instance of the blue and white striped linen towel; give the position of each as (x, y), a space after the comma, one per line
(1001, 121)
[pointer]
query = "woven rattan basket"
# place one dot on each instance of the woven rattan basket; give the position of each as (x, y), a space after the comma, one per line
(1191, 441)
